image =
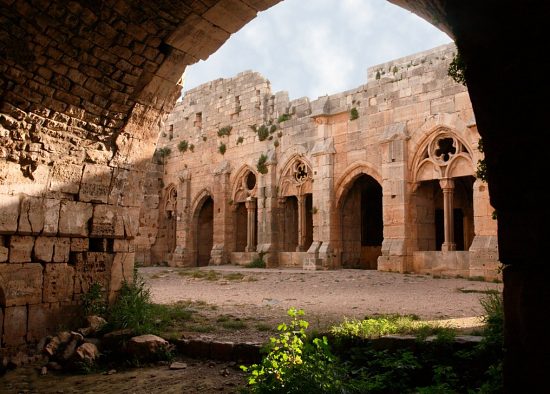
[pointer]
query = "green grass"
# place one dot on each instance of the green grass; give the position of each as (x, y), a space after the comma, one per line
(375, 327)
(486, 291)
(263, 327)
(234, 276)
(198, 274)
(256, 263)
(234, 325)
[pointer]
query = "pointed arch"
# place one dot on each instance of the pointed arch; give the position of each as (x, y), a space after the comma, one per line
(170, 198)
(241, 186)
(351, 174)
(430, 161)
(296, 177)
(199, 200)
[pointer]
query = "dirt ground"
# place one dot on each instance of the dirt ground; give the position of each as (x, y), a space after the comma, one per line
(239, 304)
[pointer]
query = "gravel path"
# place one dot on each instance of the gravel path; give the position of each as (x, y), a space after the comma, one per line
(327, 296)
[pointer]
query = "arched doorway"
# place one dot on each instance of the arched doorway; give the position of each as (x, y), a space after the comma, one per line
(205, 232)
(361, 224)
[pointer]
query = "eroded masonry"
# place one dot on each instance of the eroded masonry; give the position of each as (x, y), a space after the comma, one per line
(380, 177)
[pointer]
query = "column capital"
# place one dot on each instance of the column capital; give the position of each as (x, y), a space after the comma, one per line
(250, 203)
(447, 184)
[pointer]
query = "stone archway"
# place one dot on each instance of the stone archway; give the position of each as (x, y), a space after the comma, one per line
(204, 231)
(360, 222)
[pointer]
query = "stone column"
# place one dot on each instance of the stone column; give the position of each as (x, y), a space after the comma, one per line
(301, 224)
(396, 200)
(281, 202)
(448, 185)
(250, 204)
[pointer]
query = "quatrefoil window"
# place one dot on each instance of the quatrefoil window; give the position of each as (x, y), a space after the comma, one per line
(445, 149)
(300, 172)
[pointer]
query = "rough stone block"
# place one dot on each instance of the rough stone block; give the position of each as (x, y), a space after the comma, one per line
(62, 248)
(66, 178)
(43, 248)
(79, 244)
(51, 216)
(96, 181)
(130, 216)
(38, 323)
(58, 282)
(15, 326)
(21, 283)
(31, 218)
(107, 222)
(92, 267)
(74, 217)
(9, 213)
(21, 249)
(121, 270)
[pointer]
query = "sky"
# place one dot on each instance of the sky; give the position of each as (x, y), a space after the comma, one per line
(317, 47)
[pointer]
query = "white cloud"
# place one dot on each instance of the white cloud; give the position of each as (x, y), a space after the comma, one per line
(314, 47)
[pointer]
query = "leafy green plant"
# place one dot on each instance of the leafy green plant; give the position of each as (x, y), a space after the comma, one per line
(272, 129)
(93, 301)
(481, 170)
(294, 364)
(353, 114)
(164, 152)
(261, 166)
(457, 69)
(394, 70)
(263, 132)
(225, 131)
(133, 308)
(183, 146)
(377, 75)
(283, 118)
(222, 148)
(258, 262)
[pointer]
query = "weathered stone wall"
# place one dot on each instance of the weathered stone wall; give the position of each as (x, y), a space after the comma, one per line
(403, 107)
(84, 89)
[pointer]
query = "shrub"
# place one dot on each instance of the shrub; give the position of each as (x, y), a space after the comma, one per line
(294, 364)
(377, 75)
(258, 262)
(183, 146)
(272, 129)
(225, 131)
(240, 140)
(353, 114)
(93, 302)
(133, 308)
(261, 165)
(192, 148)
(263, 132)
(283, 118)
(222, 148)
(163, 152)
(457, 69)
